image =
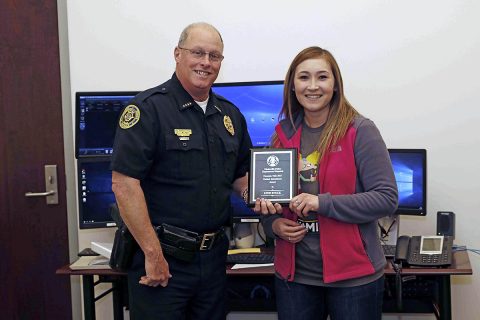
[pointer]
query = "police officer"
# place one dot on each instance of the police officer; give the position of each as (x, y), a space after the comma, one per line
(179, 151)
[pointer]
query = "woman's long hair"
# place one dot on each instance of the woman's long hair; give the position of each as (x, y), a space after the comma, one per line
(341, 112)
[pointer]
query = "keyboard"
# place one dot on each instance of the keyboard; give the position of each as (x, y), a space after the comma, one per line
(389, 250)
(250, 258)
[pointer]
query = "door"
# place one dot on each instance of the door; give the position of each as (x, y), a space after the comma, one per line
(33, 235)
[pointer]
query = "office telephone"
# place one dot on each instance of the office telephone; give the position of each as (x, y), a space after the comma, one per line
(426, 251)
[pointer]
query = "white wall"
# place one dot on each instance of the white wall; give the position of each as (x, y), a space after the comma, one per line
(411, 66)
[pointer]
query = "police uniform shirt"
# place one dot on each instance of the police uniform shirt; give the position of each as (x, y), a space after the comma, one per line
(186, 160)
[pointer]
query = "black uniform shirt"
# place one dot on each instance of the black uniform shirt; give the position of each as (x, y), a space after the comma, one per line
(185, 159)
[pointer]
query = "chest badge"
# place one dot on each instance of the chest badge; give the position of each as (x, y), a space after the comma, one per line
(129, 117)
(183, 134)
(227, 122)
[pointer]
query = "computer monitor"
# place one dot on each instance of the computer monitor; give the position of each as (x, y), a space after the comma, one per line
(260, 102)
(96, 121)
(410, 169)
(95, 194)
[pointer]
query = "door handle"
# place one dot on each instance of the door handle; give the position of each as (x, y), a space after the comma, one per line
(51, 185)
(39, 194)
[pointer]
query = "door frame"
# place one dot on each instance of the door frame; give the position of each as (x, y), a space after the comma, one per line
(68, 141)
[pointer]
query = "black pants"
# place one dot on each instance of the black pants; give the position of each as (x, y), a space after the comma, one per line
(195, 291)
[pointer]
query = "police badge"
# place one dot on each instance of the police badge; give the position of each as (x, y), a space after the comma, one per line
(227, 122)
(129, 117)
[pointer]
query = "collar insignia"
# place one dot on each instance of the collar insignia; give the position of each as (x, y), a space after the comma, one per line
(227, 122)
(129, 117)
(188, 104)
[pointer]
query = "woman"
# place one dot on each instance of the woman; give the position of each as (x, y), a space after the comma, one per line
(328, 258)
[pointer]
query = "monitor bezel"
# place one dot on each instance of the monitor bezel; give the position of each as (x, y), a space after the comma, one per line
(414, 211)
(243, 110)
(79, 94)
(247, 83)
(81, 223)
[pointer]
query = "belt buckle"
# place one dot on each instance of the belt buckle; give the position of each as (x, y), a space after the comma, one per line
(207, 241)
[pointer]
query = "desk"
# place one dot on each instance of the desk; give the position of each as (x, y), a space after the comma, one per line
(440, 304)
(442, 307)
(118, 290)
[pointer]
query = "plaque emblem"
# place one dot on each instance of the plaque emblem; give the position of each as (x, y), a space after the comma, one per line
(273, 161)
(129, 117)
(228, 125)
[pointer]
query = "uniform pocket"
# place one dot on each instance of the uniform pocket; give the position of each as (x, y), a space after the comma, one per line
(184, 159)
(230, 157)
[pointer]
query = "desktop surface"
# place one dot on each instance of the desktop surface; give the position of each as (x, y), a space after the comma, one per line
(242, 278)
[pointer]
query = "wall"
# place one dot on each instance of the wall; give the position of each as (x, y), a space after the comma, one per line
(411, 66)
(68, 136)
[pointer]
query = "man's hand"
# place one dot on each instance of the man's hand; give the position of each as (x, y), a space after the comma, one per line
(157, 271)
(265, 206)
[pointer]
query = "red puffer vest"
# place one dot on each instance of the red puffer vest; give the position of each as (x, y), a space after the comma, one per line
(343, 254)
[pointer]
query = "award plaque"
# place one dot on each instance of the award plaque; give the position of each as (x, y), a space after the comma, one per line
(273, 175)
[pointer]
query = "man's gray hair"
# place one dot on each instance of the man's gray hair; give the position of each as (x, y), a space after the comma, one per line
(184, 34)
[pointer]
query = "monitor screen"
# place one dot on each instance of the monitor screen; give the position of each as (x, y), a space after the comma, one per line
(96, 121)
(260, 102)
(410, 169)
(95, 194)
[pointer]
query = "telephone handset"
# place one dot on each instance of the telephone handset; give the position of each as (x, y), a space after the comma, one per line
(427, 251)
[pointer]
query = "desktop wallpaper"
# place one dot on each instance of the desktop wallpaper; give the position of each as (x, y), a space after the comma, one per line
(409, 174)
(95, 193)
(260, 104)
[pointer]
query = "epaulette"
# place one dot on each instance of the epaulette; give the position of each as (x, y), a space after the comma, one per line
(144, 95)
(222, 98)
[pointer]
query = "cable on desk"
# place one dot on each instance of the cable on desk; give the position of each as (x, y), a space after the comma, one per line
(464, 248)
(397, 267)
(260, 234)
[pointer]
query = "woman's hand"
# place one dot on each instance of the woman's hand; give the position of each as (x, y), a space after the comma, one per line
(265, 206)
(289, 230)
(304, 203)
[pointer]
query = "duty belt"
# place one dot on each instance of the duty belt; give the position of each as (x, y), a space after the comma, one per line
(187, 240)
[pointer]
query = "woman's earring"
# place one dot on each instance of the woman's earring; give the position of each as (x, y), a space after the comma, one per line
(293, 89)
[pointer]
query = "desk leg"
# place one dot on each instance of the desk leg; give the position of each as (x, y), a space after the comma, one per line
(117, 293)
(445, 298)
(88, 297)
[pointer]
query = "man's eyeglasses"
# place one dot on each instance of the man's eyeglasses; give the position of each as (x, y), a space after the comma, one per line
(199, 54)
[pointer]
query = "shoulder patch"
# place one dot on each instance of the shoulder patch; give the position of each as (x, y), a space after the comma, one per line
(129, 117)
